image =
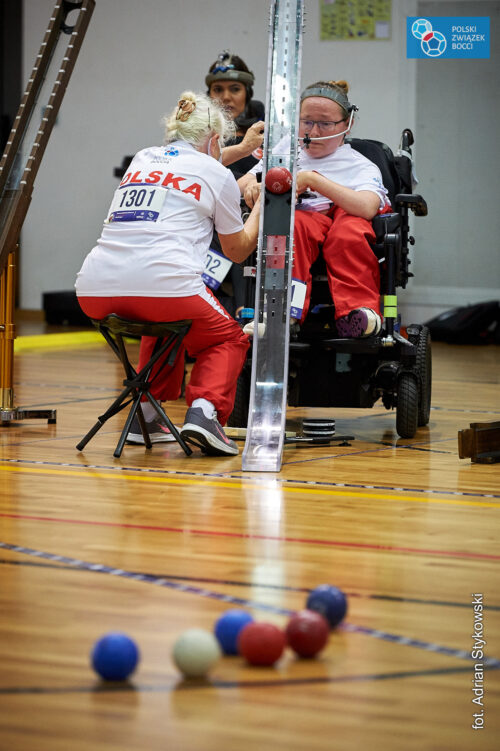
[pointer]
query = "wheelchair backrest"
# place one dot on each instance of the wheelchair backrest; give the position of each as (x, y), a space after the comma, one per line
(381, 155)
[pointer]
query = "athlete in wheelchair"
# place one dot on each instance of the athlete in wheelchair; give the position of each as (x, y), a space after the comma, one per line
(356, 218)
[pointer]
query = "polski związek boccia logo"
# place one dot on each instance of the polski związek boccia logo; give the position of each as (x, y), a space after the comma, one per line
(433, 43)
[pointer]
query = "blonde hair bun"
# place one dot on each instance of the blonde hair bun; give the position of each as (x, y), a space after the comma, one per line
(195, 117)
(341, 85)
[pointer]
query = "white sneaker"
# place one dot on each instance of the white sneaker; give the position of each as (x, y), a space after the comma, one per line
(261, 327)
(249, 328)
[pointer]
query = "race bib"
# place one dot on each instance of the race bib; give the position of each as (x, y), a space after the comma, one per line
(137, 203)
(216, 269)
(298, 298)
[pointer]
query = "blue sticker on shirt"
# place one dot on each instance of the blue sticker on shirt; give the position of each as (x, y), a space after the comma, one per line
(134, 216)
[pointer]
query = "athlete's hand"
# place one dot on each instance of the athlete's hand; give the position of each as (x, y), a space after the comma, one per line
(252, 194)
(303, 182)
(254, 136)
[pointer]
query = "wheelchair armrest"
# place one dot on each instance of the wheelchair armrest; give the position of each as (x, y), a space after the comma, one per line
(385, 224)
(413, 201)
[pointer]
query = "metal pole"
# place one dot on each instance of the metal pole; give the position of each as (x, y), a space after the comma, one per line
(18, 168)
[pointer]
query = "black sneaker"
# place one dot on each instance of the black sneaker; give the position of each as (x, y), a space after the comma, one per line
(207, 434)
(158, 432)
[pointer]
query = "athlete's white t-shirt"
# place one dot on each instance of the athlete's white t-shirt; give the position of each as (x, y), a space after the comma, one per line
(345, 166)
(159, 226)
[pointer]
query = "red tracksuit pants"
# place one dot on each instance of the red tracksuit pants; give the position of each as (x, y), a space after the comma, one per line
(352, 267)
(214, 339)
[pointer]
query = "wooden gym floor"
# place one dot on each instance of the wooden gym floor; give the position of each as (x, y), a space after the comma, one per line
(154, 543)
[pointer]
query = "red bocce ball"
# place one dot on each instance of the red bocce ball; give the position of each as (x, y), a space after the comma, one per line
(278, 180)
(261, 643)
(307, 633)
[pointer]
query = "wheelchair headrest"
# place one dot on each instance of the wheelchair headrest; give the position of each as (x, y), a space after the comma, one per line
(381, 155)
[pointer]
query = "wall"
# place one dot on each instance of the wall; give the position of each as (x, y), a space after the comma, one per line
(457, 255)
(135, 59)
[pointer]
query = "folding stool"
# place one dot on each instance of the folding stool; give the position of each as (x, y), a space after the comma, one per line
(169, 335)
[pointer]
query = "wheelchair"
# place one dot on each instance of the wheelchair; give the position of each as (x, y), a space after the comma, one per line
(394, 366)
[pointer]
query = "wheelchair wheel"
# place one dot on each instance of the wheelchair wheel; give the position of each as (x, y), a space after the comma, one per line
(239, 416)
(424, 367)
(407, 405)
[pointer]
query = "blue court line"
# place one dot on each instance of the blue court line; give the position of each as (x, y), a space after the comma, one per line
(277, 481)
(183, 685)
(202, 592)
(275, 587)
(469, 411)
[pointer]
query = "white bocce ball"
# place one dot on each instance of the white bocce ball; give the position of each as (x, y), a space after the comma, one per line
(195, 652)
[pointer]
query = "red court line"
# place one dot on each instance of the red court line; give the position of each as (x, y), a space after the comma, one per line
(274, 538)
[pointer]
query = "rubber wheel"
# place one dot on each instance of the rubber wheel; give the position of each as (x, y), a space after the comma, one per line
(424, 367)
(239, 416)
(407, 406)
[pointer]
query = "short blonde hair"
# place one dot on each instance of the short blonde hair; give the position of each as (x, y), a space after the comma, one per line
(195, 117)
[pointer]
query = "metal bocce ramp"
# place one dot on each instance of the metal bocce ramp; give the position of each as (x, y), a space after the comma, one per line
(268, 393)
(19, 166)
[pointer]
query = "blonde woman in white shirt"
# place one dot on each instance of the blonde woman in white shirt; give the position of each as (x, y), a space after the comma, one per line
(149, 260)
(347, 193)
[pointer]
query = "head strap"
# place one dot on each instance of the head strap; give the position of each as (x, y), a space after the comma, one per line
(230, 75)
(225, 70)
(336, 95)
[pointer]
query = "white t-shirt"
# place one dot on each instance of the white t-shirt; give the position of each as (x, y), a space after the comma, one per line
(159, 226)
(345, 166)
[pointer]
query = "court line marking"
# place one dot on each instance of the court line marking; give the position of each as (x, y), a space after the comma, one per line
(57, 341)
(178, 684)
(360, 452)
(261, 585)
(100, 568)
(471, 411)
(243, 485)
(246, 536)
(267, 482)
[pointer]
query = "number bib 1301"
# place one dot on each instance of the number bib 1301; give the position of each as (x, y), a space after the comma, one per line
(138, 203)
(216, 269)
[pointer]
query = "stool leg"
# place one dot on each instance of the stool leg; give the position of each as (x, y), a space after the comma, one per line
(80, 446)
(161, 413)
(116, 407)
(142, 423)
(126, 428)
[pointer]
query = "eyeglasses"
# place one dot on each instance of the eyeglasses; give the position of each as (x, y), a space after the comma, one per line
(323, 125)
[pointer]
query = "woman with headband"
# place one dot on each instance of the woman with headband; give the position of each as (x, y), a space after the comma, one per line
(149, 260)
(230, 83)
(347, 192)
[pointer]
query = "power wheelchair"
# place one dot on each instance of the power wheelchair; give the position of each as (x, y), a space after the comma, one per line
(394, 366)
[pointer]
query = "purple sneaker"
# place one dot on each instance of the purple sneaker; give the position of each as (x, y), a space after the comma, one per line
(207, 434)
(359, 323)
